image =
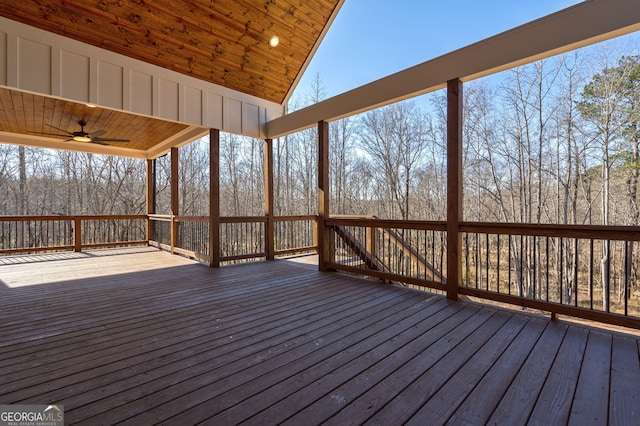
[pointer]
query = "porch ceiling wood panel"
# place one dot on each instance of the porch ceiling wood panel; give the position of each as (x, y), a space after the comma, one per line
(224, 42)
(30, 114)
(139, 336)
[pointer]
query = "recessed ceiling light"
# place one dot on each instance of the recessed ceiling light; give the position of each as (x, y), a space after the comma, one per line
(91, 105)
(274, 41)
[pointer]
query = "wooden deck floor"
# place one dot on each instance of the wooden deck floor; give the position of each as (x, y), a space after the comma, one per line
(142, 337)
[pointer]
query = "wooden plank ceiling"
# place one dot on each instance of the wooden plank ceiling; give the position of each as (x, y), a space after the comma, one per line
(225, 42)
(29, 114)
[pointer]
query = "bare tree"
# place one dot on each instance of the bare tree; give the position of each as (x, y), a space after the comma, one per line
(342, 155)
(394, 139)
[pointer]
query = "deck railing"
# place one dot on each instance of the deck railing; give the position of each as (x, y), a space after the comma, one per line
(29, 234)
(590, 272)
(407, 252)
(295, 234)
(242, 239)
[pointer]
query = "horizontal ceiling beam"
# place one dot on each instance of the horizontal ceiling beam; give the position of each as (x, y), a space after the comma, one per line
(586, 23)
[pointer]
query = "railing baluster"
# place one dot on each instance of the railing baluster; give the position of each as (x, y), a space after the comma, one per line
(520, 274)
(575, 270)
(547, 267)
(591, 274)
(534, 272)
(487, 265)
(608, 277)
(509, 257)
(561, 264)
(467, 269)
(477, 257)
(498, 266)
(627, 273)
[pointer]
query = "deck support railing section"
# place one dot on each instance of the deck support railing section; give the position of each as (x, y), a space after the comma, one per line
(295, 235)
(31, 234)
(590, 272)
(241, 238)
(407, 252)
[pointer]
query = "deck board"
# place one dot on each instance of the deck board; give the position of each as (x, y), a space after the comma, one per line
(554, 401)
(403, 406)
(482, 400)
(445, 402)
(376, 395)
(518, 401)
(592, 394)
(137, 336)
(624, 399)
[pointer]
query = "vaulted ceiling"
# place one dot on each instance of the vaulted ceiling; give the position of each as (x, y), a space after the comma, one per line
(225, 42)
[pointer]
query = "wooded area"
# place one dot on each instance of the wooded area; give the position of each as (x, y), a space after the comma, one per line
(554, 142)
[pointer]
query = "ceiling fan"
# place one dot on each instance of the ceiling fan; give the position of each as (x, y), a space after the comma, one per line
(82, 136)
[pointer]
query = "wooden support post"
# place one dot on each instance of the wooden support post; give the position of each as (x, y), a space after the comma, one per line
(454, 186)
(175, 198)
(324, 233)
(214, 198)
(151, 195)
(268, 199)
(77, 234)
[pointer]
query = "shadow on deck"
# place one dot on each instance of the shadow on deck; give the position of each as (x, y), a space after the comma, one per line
(139, 336)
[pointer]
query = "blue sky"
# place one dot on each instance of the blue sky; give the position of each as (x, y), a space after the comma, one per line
(371, 39)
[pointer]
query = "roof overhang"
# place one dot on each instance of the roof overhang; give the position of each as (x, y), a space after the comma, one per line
(577, 26)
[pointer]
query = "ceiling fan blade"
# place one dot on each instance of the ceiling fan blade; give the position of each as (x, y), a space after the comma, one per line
(97, 134)
(99, 142)
(62, 130)
(109, 140)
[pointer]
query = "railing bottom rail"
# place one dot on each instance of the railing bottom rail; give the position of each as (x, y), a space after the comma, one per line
(554, 308)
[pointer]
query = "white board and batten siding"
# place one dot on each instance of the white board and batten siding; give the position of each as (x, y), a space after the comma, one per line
(41, 62)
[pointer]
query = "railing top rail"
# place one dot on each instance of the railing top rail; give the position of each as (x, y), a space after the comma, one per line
(352, 216)
(432, 225)
(113, 216)
(70, 217)
(295, 217)
(594, 232)
(164, 217)
(191, 218)
(232, 219)
(244, 219)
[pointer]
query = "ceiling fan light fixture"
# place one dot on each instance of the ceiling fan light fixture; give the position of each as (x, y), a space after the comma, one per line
(82, 138)
(274, 41)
